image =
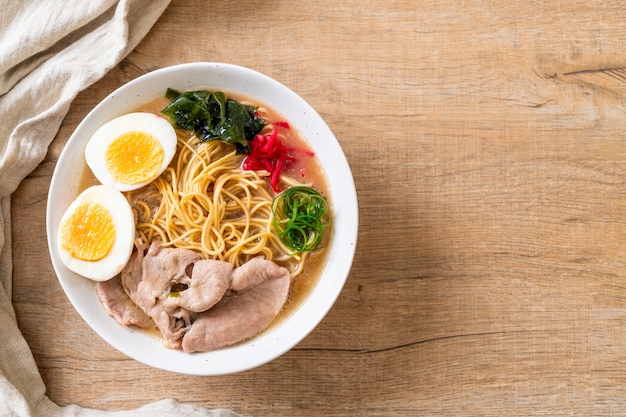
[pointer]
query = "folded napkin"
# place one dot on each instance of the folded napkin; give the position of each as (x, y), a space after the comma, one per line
(50, 50)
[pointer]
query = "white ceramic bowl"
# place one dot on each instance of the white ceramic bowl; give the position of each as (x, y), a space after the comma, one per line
(279, 339)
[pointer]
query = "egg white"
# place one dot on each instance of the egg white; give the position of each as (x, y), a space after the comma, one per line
(123, 223)
(148, 123)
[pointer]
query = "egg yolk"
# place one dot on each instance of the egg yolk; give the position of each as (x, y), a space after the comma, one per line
(134, 157)
(88, 233)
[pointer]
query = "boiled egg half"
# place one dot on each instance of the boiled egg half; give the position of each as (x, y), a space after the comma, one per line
(97, 233)
(130, 151)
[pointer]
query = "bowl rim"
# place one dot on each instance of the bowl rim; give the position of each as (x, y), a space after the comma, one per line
(277, 340)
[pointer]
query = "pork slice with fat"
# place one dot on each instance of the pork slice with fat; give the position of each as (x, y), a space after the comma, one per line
(206, 283)
(161, 267)
(173, 324)
(237, 317)
(132, 273)
(254, 272)
(118, 304)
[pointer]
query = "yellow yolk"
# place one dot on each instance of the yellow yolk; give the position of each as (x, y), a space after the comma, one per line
(88, 233)
(134, 157)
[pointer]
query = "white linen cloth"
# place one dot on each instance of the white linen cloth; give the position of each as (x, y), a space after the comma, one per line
(50, 50)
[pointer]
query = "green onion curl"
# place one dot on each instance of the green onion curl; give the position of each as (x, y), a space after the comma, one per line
(300, 215)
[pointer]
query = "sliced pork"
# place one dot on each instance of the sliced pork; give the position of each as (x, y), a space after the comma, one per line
(118, 304)
(206, 284)
(132, 272)
(197, 304)
(161, 268)
(175, 284)
(172, 324)
(237, 317)
(254, 272)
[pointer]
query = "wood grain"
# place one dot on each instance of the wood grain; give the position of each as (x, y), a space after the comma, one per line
(486, 139)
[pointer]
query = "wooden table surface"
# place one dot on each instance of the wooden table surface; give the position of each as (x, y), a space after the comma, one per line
(487, 142)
